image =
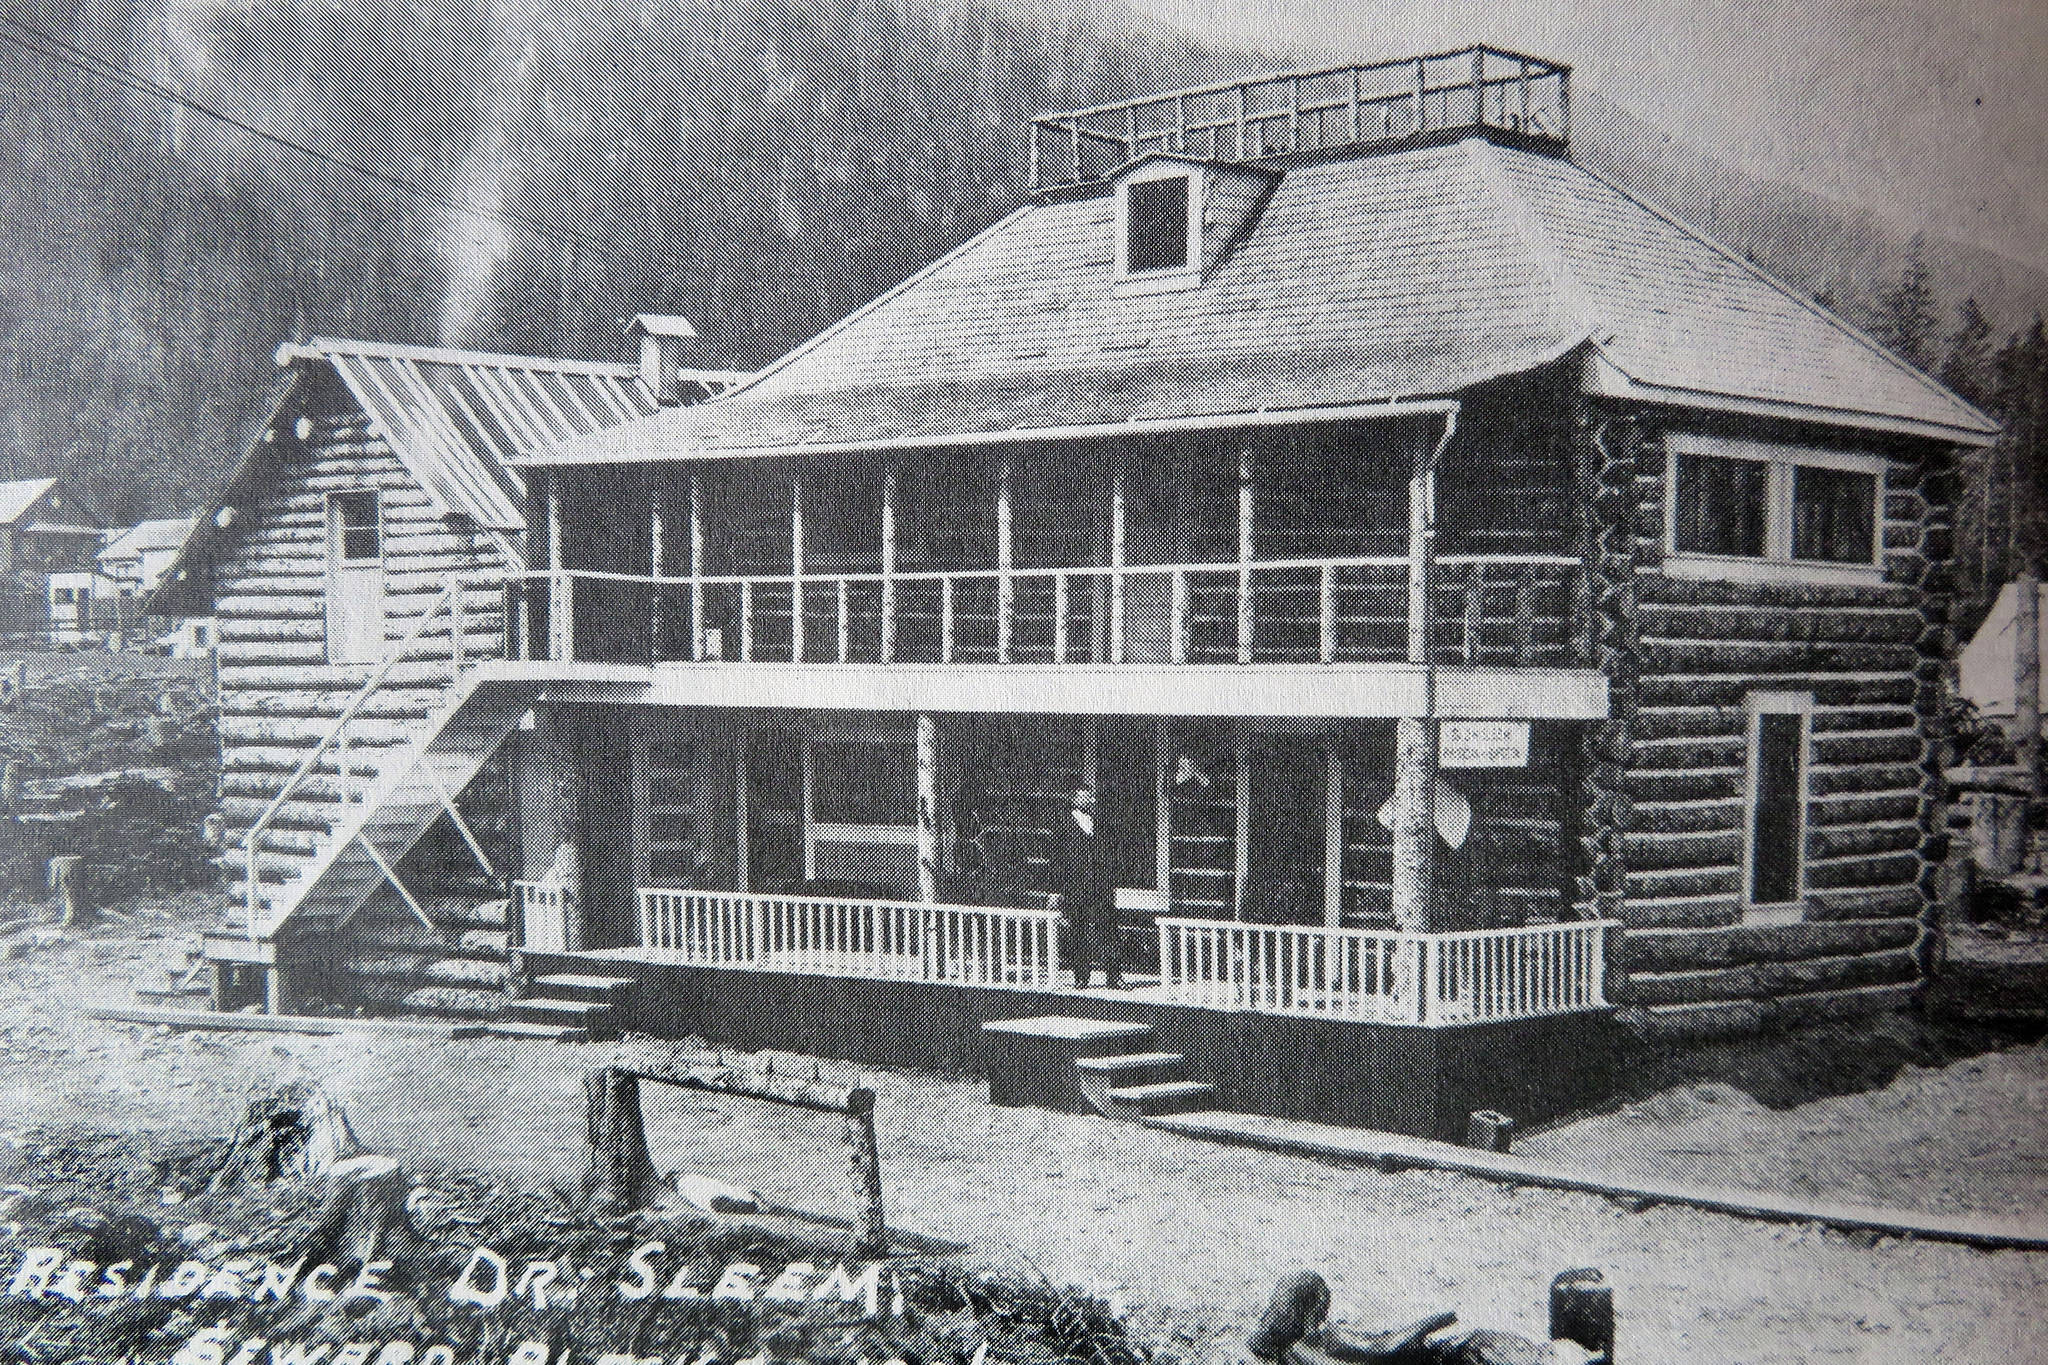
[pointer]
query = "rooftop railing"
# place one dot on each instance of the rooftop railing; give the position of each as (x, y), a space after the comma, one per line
(1303, 113)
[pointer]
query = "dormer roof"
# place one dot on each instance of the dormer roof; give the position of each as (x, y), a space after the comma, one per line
(1408, 274)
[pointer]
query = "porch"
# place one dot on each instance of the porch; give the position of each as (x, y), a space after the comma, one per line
(1403, 1032)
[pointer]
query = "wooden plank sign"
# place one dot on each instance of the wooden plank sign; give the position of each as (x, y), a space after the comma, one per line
(1483, 744)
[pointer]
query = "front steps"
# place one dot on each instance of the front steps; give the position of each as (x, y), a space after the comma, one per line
(1086, 1066)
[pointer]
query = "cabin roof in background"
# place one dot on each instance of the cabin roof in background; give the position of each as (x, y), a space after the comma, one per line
(163, 533)
(18, 495)
(1409, 274)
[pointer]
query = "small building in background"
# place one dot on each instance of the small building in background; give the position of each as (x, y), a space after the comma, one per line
(42, 537)
(131, 562)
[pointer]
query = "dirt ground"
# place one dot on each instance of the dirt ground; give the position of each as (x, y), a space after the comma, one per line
(1191, 1235)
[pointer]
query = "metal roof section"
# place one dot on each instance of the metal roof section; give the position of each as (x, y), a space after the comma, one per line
(457, 418)
(1403, 274)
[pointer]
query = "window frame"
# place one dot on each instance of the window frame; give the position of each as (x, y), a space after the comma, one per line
(1188, 273)
(338, 528)
(1782, 463)
(1757, 705)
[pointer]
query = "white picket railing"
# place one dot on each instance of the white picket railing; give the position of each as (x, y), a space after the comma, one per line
(832, 936)
(543, 915)
(1426, 979)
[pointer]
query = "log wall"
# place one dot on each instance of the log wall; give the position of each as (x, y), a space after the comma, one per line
(279, 694)
(1666, 804)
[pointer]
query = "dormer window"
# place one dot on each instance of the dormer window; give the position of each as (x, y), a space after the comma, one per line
(1158, 226)
(1158, 217)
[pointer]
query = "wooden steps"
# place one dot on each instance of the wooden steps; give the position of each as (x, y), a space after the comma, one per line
(594, 1020)
(1076, 1065)
(548, 1033)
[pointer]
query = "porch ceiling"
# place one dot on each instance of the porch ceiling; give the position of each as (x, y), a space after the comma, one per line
(1279, 690)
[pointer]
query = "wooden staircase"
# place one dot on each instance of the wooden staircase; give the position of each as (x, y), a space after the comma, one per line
(1139, 1085)
(327, 879)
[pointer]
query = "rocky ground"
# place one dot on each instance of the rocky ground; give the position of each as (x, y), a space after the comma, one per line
(1191, 1236)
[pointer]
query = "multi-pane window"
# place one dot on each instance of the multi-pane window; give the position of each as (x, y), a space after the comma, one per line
(1156, 224)
(356, 532)
(1749, 500)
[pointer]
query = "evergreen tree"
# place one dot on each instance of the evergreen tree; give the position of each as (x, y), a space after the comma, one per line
(1966, 361)
(1905, 314)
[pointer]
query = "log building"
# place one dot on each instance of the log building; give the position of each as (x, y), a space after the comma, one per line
(1479, 600)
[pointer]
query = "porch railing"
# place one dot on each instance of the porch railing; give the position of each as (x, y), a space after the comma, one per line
(1515, 610)
(1423, 979)
(832, 936)
(543, 914)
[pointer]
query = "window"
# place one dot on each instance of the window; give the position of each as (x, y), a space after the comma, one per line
(1755, 509)
(355, 531)
(1774, 873)
(1156, 213)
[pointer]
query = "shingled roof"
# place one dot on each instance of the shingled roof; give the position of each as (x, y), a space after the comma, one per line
(1403, 275)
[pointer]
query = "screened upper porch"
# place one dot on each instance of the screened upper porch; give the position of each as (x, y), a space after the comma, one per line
(1303, 546)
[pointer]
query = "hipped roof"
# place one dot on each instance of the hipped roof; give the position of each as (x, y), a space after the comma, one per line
(1411, 274)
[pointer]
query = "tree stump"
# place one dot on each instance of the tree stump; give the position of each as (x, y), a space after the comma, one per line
(293, 1133)
(362, 1217)
(67, 880)
(622, 1175)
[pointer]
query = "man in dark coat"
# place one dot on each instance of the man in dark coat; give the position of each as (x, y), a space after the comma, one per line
(1083, 893)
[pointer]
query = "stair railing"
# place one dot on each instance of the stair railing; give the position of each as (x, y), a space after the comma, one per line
(450, 598)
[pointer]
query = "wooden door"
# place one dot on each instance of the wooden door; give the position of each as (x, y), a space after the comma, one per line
(355, 577)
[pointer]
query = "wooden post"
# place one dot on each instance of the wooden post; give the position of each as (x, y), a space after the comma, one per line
(621, 1176)
(1333, 834)
(657, 536)
(796, 568)
(927, 808)
(890, 492)
(561, 629)
(1414, 832)
(1241, 866)
(1162, 807)
(866, 1158)
(67, 880)
(697, 637)
(742, 829)
(1005, 558)
(1116, 559)
(1244, 553)
(10, 784)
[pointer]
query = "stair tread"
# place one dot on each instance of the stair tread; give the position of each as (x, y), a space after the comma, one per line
(578, 980)
(1160, 1090)
(550, 1005)
(1129, 1061)
(516, 1028)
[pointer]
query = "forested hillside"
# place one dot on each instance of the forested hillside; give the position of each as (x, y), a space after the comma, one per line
(759, 166)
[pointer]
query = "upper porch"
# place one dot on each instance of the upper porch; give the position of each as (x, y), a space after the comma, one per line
(1399, 551)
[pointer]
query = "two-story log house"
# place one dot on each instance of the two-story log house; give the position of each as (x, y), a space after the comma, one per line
(1436, 558)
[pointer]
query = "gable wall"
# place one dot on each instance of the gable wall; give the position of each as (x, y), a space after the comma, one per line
(278, 693)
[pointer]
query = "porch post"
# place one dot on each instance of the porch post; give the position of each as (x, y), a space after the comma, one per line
(1241, 869)
(657, 529)
(561, 627)
(807, 800)
(1006, 589)
(796, 568)
(697, 640)
(1414, 870)
(888, 606)
(1162, 806)
(1116, 558)
(1244, 555)
(741, 829)
(927, 808)
(1333, 834)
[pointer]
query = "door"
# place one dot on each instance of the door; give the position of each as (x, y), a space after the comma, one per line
(775, 815)
(355, 577)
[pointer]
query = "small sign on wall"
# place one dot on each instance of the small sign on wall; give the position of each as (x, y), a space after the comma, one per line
(1483, 744)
